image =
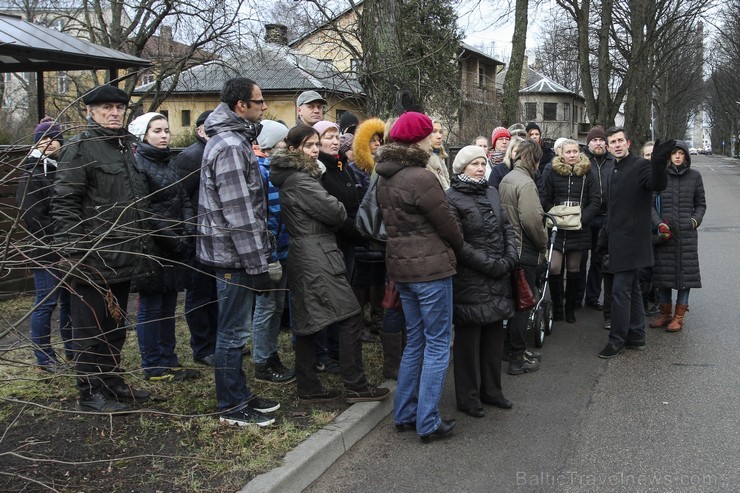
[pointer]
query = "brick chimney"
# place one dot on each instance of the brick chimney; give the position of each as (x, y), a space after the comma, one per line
(277, 34)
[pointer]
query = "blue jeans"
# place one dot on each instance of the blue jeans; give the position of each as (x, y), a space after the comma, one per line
(155, 330)
(235, 306)
(682, 298)
(268, 312)
(421, 376)
(627, 311)
(46, 283)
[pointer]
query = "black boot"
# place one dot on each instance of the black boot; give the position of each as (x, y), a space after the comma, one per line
(392, 351)
(556, 293)
(571, 291)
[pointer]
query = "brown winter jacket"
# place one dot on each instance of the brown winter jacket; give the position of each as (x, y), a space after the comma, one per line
(423, 234)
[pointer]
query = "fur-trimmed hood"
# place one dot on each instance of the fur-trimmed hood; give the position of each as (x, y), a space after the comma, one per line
(391, 158)
(579, 169)
(365, 132)
(282, 164)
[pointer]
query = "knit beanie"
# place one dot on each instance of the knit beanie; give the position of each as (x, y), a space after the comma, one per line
(559, 142)
(518, 129)
(596, 132)
(48, 128)
(465, 156)
(272, 133)
(411, 127)
(324, 125)
(498, 132)
(348, 123)
(532, 126)
(139, 125)
(345, 142)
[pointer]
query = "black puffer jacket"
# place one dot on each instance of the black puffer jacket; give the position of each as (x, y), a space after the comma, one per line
(681, 206)
(556, 191)
(189, 162)
(339, 180)
(478, 298)
(602, 168)
(171, 220)
(33, 197)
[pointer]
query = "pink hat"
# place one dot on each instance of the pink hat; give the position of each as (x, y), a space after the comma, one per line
(324, 125)
(499, 132)
(411, 128)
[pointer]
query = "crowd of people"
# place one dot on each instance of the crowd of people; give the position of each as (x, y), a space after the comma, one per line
(256, 217)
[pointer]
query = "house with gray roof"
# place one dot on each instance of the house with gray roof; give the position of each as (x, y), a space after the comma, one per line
(557, 110)
(281, 72)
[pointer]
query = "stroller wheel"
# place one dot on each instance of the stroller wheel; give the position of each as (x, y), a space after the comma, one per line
(547, 322)
(539, 328)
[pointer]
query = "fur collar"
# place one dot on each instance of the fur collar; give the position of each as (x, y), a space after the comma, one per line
(295, 160)
(402, 155)
(579, 169)
(365, 132)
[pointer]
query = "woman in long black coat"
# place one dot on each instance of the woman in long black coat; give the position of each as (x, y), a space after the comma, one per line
(679, 209)
(570, 183)
(482, 287)
(173, 230)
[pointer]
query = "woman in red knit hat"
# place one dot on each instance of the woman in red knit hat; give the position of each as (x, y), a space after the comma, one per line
(423, 236)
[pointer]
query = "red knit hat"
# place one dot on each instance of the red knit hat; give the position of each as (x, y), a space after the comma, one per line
(499, 132)
(411, 128)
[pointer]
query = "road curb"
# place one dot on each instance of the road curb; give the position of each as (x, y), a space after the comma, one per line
(305, 463)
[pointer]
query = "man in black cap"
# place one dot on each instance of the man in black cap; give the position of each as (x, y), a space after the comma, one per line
(310, 108)
(201, 300)
(98, 208)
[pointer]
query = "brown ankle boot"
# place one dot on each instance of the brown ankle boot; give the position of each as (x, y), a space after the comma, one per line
(665, 316)
(677, 322)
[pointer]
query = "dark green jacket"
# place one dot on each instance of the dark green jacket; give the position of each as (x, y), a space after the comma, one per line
(99, 206)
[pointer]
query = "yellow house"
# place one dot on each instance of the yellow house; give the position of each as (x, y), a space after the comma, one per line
(337, 41)
(281, 73)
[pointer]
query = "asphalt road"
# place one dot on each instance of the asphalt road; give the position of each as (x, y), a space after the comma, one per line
(666, 419)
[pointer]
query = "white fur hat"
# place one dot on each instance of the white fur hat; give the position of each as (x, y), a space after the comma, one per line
(139, 125)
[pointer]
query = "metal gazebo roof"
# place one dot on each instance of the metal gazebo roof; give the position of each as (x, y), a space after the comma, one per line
(28, 47)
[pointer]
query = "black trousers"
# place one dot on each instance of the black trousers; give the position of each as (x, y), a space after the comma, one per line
(350, 358)
(201, 310)
(477, 364)
(99, 330)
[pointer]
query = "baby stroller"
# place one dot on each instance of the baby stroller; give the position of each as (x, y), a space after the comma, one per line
(540, 319)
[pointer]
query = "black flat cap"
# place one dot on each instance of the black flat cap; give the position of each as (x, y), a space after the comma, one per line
(202, 118)
(106, 94)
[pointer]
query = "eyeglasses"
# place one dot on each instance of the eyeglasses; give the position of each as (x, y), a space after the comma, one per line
(376, 140)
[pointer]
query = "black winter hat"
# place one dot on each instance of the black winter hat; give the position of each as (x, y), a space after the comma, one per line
(202, 118)
(348, 123)
(106, 94)
(532, 126)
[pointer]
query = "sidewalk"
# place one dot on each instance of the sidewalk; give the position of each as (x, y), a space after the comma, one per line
(308, 461)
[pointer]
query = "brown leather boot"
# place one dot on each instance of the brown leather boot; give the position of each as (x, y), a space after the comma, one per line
(677, 322)
(665, 316)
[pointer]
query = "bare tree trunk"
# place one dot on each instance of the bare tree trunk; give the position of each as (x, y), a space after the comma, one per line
(512, 82)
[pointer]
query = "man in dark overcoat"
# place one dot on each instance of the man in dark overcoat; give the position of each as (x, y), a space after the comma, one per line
(628, 235)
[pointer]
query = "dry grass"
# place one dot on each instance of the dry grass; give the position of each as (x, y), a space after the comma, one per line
(175, 443)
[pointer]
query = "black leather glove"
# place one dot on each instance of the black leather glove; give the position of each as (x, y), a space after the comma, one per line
(259, 283)
(662, 151)
(499, 268)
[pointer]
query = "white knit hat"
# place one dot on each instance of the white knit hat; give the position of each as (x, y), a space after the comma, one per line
(465, 156)
(139, 125)
(272, 132)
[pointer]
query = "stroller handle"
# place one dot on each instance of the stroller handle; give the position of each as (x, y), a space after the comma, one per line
(553, 220)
